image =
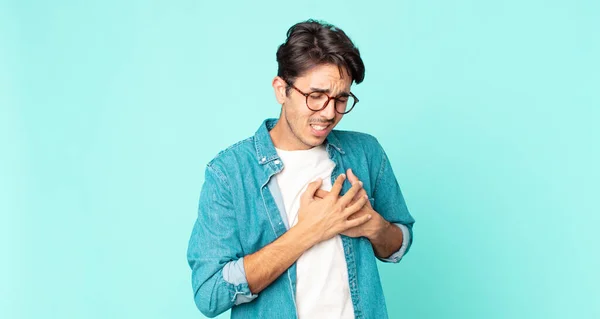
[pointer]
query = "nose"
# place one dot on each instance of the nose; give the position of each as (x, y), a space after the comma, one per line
(329, 111)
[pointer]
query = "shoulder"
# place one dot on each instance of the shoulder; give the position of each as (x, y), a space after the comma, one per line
(352, 141)
(233, 155)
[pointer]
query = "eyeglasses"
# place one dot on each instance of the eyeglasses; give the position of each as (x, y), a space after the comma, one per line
(317, 101)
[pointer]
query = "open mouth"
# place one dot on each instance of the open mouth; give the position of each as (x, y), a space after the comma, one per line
(320, 129)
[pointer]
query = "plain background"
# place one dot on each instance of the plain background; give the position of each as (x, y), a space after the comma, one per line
(489, 111)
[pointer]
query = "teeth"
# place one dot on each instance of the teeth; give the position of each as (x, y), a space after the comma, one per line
(318, 127)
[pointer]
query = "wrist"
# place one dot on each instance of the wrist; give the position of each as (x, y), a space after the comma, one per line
(304, 236)
(378, 233)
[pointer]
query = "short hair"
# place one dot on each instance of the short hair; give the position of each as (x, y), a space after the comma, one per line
(311, 43)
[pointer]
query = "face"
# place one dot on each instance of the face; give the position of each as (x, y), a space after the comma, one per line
(300, 127)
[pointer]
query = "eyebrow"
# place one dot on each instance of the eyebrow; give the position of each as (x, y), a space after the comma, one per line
(328, 91)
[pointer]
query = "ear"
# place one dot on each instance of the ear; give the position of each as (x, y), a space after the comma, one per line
(279, 87)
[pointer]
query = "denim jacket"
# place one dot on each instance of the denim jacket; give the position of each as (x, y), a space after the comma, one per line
(240, 211)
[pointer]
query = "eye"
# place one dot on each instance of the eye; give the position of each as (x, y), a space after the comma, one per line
(317, 95)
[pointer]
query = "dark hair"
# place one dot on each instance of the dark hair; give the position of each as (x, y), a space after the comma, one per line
(311, 43)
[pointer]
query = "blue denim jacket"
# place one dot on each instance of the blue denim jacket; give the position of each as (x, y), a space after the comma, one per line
(240, 211)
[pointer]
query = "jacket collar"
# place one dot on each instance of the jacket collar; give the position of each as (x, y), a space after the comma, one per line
(265, 150)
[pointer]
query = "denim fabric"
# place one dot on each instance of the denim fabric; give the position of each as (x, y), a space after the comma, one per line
(238, 215)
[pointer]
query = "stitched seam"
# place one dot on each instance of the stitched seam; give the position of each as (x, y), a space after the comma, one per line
(266, 208)
(383, 161)
(358, 300)
(256, 148)
(223, 179)
(237, 144)
(292, 291)
(221, 176)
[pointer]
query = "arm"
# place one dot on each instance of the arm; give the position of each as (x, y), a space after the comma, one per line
(394, 240)
(389, 241)
(318, 220)
(215, 251)
(390, 229)
(267, 264)
(386, 240)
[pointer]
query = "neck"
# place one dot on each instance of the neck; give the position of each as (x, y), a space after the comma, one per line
(284, 139)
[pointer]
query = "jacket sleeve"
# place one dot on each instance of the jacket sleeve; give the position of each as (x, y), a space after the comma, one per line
(389, 203)
(214, 252)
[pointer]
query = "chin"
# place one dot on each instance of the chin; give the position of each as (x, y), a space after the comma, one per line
(315, 141)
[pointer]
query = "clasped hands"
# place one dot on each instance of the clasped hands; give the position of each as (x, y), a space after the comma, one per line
(329, 214)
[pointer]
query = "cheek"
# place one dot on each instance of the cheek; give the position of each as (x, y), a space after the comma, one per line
(300, 111)
(293, 115)
(338, 118)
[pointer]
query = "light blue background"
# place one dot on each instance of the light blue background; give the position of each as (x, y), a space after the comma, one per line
(489, 111)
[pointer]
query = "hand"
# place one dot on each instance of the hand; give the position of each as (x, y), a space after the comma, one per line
(368, 229)
(328, 216)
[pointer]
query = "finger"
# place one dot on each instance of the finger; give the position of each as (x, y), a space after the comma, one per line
(360, 194)
(337, 186)
(357, 221)
(321, 193)
(347, 198)
(369, 203)
(351, 177)
(309, 193)
(356, 206)
(354, 179)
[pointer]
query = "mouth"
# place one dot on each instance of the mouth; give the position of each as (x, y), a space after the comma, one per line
(320, 129)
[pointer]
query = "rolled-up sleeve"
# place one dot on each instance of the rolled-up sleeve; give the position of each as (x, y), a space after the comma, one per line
(235, 274)
(214, 252)
(397, 256)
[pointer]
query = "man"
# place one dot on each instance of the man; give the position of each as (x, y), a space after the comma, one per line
(282, 232)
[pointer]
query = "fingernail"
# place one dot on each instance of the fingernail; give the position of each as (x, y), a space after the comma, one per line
(367, 197)
(343, 175)
(361, 183)
(369, 217)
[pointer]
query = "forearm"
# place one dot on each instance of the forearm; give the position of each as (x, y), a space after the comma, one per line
(387, 240)
(265, 265)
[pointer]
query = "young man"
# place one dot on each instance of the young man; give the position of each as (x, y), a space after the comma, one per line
(282, 232)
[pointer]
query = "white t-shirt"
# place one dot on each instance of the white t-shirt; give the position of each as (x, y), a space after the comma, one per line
(322, 289)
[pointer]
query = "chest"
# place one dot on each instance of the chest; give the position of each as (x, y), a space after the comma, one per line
(267, 202)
